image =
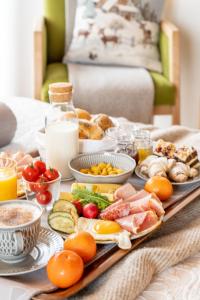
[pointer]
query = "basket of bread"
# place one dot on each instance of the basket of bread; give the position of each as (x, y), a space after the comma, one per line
(92, 130)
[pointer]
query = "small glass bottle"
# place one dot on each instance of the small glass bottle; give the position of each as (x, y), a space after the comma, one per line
(61, 129)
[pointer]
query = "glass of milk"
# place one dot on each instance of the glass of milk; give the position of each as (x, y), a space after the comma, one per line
(61, 129)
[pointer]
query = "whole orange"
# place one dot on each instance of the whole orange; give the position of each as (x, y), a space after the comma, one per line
(83, 244)
(65, 268)
(161, 186)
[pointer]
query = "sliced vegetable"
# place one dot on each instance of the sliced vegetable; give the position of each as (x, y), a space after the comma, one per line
(60, 214)
(66, 206)
(61, 222)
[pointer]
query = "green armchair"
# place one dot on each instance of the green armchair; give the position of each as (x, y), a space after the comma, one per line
(49, 45)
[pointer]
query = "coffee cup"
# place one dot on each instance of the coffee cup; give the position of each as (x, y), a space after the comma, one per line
(19, 229)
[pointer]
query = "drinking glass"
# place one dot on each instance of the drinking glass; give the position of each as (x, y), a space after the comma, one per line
(8, 179)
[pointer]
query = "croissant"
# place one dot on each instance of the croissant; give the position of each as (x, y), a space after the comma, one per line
(144, 166)
(179, 172)
(156, 166)
(193, 173)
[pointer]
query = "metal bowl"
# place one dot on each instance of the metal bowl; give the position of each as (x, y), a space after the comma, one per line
(118, 160)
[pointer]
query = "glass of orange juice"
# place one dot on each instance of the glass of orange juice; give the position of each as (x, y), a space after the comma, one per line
(8, 179)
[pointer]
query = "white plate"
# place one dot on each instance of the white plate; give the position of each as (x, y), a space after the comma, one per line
(190, 181)
(49, 242)
(133, 237)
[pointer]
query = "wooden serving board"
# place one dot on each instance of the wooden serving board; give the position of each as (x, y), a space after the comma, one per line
(108, 255)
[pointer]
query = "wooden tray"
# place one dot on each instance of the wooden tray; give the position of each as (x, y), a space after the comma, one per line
(108, 255)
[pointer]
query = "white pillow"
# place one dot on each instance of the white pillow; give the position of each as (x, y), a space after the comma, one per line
(116, 32)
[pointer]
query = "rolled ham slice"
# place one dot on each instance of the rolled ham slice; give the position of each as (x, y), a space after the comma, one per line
(117, 211)
(136, 223)
(147, 203)
(137, 196)
(124, 192)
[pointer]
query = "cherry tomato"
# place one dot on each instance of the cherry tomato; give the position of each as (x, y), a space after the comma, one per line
(41, 185)
(51, 174)
(78, 206)
(90, 211)
(30, 173)
(44, 198)
(40, 166)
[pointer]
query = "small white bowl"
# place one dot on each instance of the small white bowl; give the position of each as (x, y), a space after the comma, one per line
(118, 160)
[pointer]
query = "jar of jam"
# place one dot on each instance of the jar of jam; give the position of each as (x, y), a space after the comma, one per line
(143, 144)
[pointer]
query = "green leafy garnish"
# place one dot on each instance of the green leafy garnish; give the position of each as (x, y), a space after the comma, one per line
(85, 197)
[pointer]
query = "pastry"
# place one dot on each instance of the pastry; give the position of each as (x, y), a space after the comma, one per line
(179, 172)
(156, 166)
(89, 130)
(83, 114)
(188, 156)
(163, 148)
(103, 121)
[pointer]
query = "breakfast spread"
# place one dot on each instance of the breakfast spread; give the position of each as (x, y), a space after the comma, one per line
(103, 169)
(92, 212)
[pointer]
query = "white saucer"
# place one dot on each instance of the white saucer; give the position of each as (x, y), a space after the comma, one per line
(48, 243)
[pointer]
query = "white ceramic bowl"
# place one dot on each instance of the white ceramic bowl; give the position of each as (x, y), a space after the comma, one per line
(85, 146)
(118, 160)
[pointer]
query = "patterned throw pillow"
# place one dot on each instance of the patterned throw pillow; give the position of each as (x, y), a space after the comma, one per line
(117, 32)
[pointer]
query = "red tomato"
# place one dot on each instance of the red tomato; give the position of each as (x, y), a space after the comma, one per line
(78, 206)
(40, 166)
(30, 173)
(44, 198)
(90, 211)
(41, 185)
(51, 174)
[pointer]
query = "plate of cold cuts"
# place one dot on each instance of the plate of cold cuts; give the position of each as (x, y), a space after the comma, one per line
(136, 213)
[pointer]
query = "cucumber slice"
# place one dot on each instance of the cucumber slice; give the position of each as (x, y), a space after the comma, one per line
(60, 214)
(66, 206)
(61, 223)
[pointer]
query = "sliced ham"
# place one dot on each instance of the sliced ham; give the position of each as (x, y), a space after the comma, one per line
(157, 206)
(138, 222)
(117, 211)
(147, 203)
(137, 196)
(110, 207)
(124, 192)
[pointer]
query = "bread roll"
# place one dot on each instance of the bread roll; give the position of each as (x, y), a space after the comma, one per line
(103, 121)
(89, 130)
(83, 114)
(80, 113)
